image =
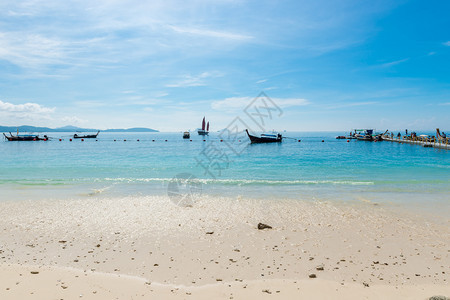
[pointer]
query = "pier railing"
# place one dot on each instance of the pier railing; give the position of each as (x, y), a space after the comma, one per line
(442, 143)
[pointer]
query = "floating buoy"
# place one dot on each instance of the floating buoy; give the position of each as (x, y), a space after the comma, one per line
(60, 140)
(34, 139)
(153, 140)
(166, 140)
(299, 141)
(190, 140)
(114, 140)
(96, 140)
(204, 140)
(82, 140)
(221, 140)
(138, 140)
(348, 141)
(323, 141)
(70, 140)
(124, 140)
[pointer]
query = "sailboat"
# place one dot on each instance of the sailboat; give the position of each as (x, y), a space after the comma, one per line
(204, 131)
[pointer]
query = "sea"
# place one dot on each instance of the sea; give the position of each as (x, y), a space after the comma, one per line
(306, 166)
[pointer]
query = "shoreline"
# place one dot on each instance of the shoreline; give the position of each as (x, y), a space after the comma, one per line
(216, 243)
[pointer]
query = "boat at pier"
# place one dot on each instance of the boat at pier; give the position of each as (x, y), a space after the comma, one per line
(364, 134)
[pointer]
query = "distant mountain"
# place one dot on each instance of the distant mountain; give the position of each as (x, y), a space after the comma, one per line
(27, 128)
(136, 129)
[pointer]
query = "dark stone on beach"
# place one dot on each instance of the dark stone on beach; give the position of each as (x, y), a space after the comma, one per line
(62, 242)
(210, 232)
(319, 268)
(312, 276)
(439, 298)
(34, 272)
(98, 245)
(262, 226)
(365, 284)
(267, 291)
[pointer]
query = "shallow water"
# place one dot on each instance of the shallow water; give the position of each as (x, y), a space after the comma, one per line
(310, 169)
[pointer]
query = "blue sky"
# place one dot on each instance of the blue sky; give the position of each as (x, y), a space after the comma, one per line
(330, 65)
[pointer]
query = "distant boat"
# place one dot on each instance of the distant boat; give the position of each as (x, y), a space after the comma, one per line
(88, 136)
(265, 138)
(186, 135)
(367, 135)
(204, 131)
(351, 136)
(25, 137)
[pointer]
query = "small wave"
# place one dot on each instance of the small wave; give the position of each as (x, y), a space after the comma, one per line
(246, 181)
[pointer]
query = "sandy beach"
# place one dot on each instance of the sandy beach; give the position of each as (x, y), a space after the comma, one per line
(149, 248)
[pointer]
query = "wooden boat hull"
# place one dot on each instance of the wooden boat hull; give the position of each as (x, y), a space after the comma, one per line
(89, 136)
(260, 140)
(15, 138)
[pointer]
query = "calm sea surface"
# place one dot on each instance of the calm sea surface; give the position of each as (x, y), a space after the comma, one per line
(310, 169)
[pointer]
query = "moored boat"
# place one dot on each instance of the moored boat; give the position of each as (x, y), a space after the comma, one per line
(186, 135)
(366, 134)
(25, 137)
(265, 138)
(88, 136)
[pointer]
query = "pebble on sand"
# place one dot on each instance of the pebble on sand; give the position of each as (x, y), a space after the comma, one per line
(264, 226)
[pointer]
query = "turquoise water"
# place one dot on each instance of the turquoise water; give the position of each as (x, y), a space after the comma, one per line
(310, 169)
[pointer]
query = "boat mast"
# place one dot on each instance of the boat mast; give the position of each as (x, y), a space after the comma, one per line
(207, 127)
(203, 124)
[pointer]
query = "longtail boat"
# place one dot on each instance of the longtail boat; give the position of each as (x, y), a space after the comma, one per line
(89, 136)
(265, 138)
(24, 137)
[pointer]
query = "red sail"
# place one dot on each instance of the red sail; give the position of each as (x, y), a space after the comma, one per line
(203, 124)
(207, 127)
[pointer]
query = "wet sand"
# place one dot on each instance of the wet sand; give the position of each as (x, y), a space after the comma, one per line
(138, 247)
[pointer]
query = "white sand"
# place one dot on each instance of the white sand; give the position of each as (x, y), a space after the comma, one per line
(128, 247)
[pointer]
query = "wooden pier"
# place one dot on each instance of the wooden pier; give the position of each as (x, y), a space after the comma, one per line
(424, 142)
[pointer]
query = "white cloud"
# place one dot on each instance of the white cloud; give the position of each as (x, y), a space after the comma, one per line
(190, 81)
(235, 103)
(261, 81)
(351, 104)
(30, 50)
(211, 33)
(73, 120)
(447, 43)
(393, 63)
(30, 108)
